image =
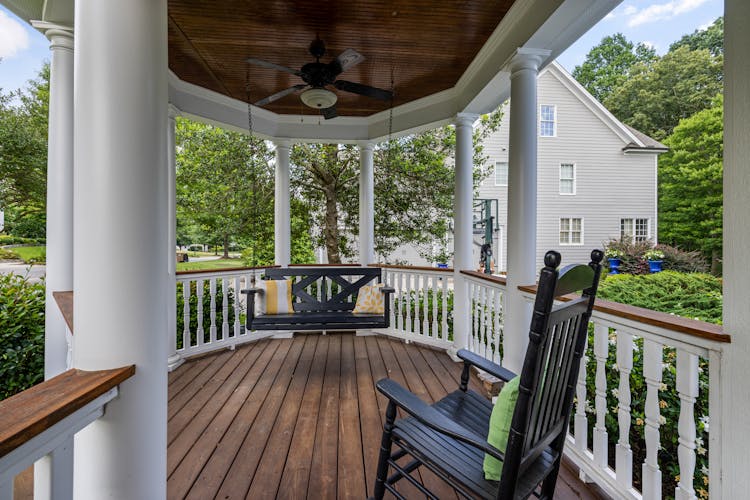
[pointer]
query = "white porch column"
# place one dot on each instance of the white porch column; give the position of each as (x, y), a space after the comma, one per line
(174, 360)
(732, 449)
(282, 216)
(522, 181)
(121, 216)
(59, 274)
(366, 205)
(462, 222)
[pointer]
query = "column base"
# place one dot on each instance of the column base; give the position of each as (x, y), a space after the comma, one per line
(174, 361)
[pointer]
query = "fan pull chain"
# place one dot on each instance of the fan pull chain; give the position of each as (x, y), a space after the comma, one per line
(254, 173)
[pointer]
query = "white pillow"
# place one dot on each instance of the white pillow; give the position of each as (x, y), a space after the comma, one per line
(275, 298)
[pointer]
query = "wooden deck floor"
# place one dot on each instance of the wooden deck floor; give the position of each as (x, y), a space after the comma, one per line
(297, 418)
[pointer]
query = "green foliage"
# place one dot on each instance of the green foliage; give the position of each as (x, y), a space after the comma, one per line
(21, 334)
(608, 64)
(690, 187)
(657, 95)
(8, 239)
(23, 146)
(6, 254)
(693, 295)
(711, 39)
(31, 255)
(682, 261)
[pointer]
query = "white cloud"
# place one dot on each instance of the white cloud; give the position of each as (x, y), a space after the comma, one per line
(629, 10)
(13, 36)
(661, 11)
(609, 16)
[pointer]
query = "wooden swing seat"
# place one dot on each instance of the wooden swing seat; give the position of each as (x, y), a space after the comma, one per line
(319, 311)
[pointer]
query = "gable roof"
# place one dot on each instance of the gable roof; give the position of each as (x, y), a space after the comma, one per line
(635, 141)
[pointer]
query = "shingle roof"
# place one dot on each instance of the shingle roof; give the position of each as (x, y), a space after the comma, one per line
(648, 142)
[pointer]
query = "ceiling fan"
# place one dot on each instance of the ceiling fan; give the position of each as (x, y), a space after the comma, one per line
(318, 75)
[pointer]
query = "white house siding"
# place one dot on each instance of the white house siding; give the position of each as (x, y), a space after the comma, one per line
(610, 184)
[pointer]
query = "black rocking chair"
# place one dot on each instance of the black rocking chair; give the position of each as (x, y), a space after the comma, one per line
(450, 437)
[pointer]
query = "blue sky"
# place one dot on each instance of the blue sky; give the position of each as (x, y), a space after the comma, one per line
(655, 22)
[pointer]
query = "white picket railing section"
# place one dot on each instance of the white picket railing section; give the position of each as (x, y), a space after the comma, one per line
(487, 304)
(670, 359)
(420, 310)
(211, 314)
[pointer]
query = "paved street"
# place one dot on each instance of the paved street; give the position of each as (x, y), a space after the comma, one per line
(35, 272)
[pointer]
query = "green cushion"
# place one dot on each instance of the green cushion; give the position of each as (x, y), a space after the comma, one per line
(500, 420)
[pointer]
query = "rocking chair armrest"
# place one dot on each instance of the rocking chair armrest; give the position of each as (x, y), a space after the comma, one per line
(485, 364)
(432, 418)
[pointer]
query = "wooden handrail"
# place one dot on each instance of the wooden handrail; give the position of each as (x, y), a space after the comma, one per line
(31, 412)
(224, 270)
(65, 303)
(688, 326)
(498, 280)
(414, 268)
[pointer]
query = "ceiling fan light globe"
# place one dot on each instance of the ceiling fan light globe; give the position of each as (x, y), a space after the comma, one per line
(318, 98)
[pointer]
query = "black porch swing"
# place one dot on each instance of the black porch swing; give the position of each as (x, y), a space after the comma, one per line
(322, 298)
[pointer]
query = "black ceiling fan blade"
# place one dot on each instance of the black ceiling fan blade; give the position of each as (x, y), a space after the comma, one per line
(270, 65)
(329, 113)
(365, 90)
(279, 95)
(346, 60)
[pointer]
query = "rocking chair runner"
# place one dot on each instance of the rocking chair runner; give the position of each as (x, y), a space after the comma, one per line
(450, 437)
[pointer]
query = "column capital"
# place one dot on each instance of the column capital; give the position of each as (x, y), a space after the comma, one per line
(283, 143)
(366, 145)
(60, 37)
(527, 59)
(465, 119)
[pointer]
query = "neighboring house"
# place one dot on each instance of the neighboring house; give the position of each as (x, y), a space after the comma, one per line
(596, 176)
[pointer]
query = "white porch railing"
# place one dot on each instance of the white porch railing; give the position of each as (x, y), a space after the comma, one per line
(422, 307)
(487, 293)
(211, 309)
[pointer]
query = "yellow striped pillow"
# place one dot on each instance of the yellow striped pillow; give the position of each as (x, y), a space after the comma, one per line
(276, 297)
(370, 300)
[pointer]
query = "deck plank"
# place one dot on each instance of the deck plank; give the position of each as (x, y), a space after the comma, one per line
(240, 475)
(324, 467)
(301, 418)
(268, 475)
(296, 474)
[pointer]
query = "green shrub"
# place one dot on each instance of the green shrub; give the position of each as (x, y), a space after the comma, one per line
(682, 261)
(691, 295)
(21, 334)
(206, 312)
(6, 254)
(633, 257)
(9, 239)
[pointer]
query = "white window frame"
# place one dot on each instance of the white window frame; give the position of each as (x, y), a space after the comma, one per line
(634, 225)
(554, 120)
(497, 164)
(573, 179)
(569, 231)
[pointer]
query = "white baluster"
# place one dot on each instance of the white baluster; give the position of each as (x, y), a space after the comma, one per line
(687, 388)
(444, 327)
(623, 453)
(212, 291)
(581, 420)
(388, 280)
(434, 332)
(601, 352)
(400, 295)
(424, 293)
(199, 295)
(248, 285)
(186, 314)
(407, 291)
(497, 312)
(237, 294)
(483, 301)
(476, 342)
(224, 308)
(652, 372)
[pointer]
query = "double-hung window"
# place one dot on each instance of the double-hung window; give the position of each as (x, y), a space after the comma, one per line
(547, 118)
(634, 229)
(501, 173)
(567, 178)
(571, 231)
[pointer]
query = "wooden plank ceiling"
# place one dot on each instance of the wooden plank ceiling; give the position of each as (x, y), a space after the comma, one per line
(427, 44)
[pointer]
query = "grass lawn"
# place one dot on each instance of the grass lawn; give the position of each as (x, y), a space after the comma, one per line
(209, 264)
(27, 254)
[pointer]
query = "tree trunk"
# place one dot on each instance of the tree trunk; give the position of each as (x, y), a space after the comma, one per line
(331, 229)
(226, 246)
